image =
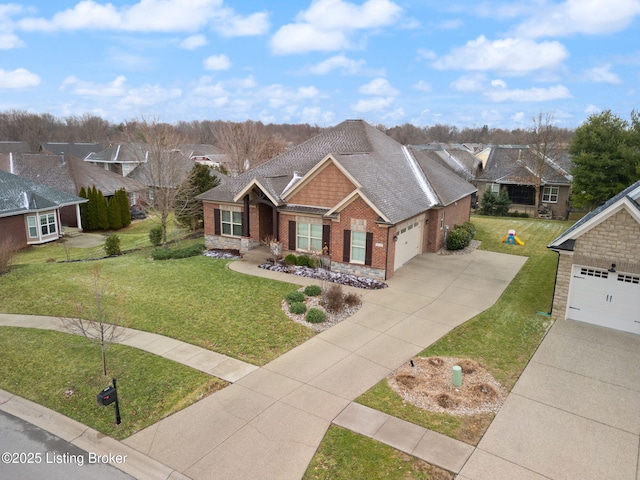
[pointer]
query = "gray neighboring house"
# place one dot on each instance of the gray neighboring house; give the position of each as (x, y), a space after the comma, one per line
(121, 158)
(76, 149)
(598, 275)
(30, 211)
(68, 174)
(514, 169)
(15, 147)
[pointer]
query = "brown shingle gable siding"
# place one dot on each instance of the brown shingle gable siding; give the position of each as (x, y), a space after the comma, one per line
(326, 189)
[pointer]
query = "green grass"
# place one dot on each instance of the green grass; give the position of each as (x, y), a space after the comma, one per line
(502, 338)
(198, 300)
(43, 365)
(344, 455)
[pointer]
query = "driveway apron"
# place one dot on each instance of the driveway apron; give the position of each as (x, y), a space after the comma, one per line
(269, 423)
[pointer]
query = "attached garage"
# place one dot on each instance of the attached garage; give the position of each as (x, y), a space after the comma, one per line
(408, 241)
(598, 276)
(605, 298)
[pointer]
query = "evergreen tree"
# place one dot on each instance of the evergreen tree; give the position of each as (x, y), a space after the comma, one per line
(114, 213)
(125, 212)
(83, 209)
(605, 155)
(188, 210)
(92, 209)
(103, 211)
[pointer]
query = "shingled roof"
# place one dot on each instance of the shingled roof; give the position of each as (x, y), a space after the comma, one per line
(77, 149)
(516, 164)
(19, 195)
(66, 173)
(391, 175)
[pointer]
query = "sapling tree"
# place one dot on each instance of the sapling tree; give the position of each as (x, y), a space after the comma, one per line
(96, 322)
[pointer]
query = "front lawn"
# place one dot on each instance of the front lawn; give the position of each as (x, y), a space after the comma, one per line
(502, 338)
(64, 373)
(198, 300)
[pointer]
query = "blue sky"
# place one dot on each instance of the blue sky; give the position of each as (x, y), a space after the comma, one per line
(463, 63)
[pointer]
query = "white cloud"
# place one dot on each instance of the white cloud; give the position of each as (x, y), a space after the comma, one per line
(193, 42)
(529, 95)
(278, 96)
(217, 62)
(151, 16)
(422, 86)
(591, 109)
(115, 88)
(518, 117)
(580, 16)
(427, 54)
(498, 83)
(373, 104)
(602, 75)
(18, 78)
(510, 55)
(150, 95)
(451, 24)
(316, 116)
(9, 41)
(338, 62)
(379, 86)
(327, 24)
(470, 83)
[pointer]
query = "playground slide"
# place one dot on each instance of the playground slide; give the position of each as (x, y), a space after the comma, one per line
(518, 241)
(511, 239)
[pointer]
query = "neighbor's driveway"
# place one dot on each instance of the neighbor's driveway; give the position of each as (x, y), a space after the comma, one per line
(573, 415)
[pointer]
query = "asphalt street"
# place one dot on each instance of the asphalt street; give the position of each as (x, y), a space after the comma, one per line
(30, 453)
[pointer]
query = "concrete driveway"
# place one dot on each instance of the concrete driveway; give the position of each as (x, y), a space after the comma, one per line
(269, 423)
(573, 415)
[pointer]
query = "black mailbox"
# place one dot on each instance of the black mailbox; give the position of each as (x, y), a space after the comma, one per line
(107, 396)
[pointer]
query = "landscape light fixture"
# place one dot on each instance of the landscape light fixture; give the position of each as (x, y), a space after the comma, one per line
(613, 268)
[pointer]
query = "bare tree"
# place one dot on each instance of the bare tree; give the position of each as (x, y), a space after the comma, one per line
(98, 327)
(163, 167)
(247, 144)
(542, 139)
(8, 250)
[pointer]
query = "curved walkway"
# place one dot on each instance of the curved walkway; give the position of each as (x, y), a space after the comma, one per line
(269, 423)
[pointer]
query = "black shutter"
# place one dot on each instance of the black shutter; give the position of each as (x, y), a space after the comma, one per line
(292, 235)
(368, 252)
(216, 221)
(326, 237)
(346, 246)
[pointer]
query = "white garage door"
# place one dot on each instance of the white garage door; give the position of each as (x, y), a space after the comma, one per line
(409, 241)
(608, 299)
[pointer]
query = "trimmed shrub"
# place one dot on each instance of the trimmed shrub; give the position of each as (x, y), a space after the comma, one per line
(297, 308)
(290, 259)
(457, 239)
(304, 261)
(312, 290)
(469, 227)
(155, 236)
(294, 296)
(112, 245)
(334, 298)
(315, 315)
(352, 299)
(166, 254)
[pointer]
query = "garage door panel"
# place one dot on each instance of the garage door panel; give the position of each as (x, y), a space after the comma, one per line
(408, 243)
(608, 299)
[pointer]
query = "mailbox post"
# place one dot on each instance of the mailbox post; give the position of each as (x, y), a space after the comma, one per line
(108, 396)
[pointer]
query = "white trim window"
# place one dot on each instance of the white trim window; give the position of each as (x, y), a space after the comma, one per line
(358, 246)
(550, 194)
(231, 223)
(48, 224)
(309, 236)
(494, 188)
(32, 227)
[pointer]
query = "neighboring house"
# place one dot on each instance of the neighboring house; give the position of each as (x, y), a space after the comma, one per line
(68, 174)
(598, 276)
(371, 203)
(15, 147)
(30, 211)
(207, 155)
(514, 168)
(77, 149)
(120, 158)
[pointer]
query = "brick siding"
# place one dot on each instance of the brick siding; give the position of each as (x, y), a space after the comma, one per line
(15, 228)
